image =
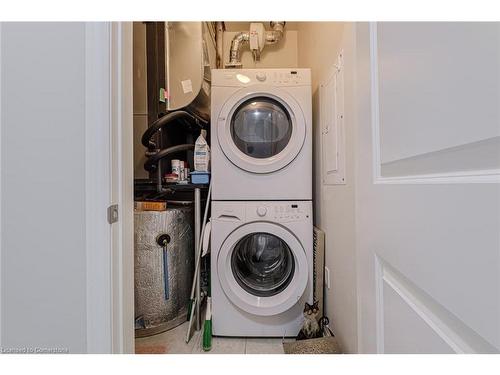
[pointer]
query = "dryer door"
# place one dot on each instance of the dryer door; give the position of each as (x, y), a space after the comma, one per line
(262, 268)
(261, 130)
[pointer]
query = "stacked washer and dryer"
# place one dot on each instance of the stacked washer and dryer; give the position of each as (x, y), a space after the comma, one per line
(261, 244)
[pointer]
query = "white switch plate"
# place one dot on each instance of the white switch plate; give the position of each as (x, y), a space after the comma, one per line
(327, 277)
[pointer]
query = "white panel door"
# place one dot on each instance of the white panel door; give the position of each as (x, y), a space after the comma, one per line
(66, 274)
(427, 187)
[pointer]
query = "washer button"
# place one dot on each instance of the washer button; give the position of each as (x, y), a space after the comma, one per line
(261, 211)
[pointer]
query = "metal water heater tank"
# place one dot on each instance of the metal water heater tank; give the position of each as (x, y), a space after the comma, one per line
(162, 284)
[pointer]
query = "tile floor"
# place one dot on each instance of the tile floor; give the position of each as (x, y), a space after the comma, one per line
(173, 342)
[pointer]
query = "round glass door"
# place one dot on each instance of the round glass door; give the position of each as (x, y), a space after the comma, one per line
(262, 268)
(262, 264)
(261, 127)
(261, 131)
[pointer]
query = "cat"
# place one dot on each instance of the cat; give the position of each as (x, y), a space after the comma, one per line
(310, 328)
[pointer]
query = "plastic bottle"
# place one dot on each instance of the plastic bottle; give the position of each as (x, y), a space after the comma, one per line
(181, 170)
(201, 153)
(176, 167)
(186, 170)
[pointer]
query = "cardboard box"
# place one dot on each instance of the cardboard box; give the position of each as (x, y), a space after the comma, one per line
(150, 206)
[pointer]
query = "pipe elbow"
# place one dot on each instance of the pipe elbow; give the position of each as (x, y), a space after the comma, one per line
(236, 45)
(274, 36)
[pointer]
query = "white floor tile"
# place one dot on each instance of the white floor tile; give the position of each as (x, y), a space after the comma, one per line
(264, 346)
(173, 342)
(222, 345)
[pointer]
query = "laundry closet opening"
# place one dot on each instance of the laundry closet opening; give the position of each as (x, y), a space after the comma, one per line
(235, 235)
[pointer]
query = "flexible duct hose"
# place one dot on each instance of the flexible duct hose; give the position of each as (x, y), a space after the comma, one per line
(161, 122)
(151, 163)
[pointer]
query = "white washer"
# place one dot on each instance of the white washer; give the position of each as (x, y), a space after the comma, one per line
(261, 267)
(261, 131)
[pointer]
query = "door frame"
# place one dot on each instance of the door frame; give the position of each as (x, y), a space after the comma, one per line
(109, 181)
(97, 187)
(122, 187)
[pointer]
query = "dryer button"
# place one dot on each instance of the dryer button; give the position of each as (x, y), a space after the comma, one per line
(261, 211)
(261, 77)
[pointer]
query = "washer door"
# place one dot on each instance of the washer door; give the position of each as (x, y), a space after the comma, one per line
(262, 268)
(261, 131)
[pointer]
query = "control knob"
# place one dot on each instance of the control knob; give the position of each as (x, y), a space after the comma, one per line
(261, 77)
(261, 211)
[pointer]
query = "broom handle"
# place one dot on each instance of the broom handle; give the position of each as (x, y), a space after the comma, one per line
(197, 267)
(198, 250)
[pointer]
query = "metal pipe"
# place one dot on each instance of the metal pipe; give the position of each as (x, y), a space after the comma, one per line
(197, 270)
(197, 239)
(159, 186)
(219, 44)
(235, 52)
(163, 121)
(155, 158)
(272, 37)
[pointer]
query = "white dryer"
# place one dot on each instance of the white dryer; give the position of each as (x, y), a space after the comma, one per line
(261, 267)
(261, 131)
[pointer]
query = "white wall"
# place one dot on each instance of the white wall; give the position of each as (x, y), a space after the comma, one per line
(54, 134)
(242, 25)
(334, 205)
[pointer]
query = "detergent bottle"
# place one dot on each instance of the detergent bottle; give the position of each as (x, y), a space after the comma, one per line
(201, 153)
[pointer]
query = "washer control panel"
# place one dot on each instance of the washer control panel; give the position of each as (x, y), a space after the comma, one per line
(288, 212)
(278, 211)
(287, 77)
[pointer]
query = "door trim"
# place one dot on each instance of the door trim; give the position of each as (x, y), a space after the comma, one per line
(98, 186)
(109, 180)
(1, 184)
(122, 187)
(456, 334)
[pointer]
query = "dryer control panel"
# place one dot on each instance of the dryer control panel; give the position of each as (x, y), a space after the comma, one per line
(272, 77)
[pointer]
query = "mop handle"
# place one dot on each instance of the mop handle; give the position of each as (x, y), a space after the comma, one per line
(198, 253)
(190, 324)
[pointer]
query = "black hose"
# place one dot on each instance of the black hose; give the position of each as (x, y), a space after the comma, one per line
(161, 122)
(153, 160)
